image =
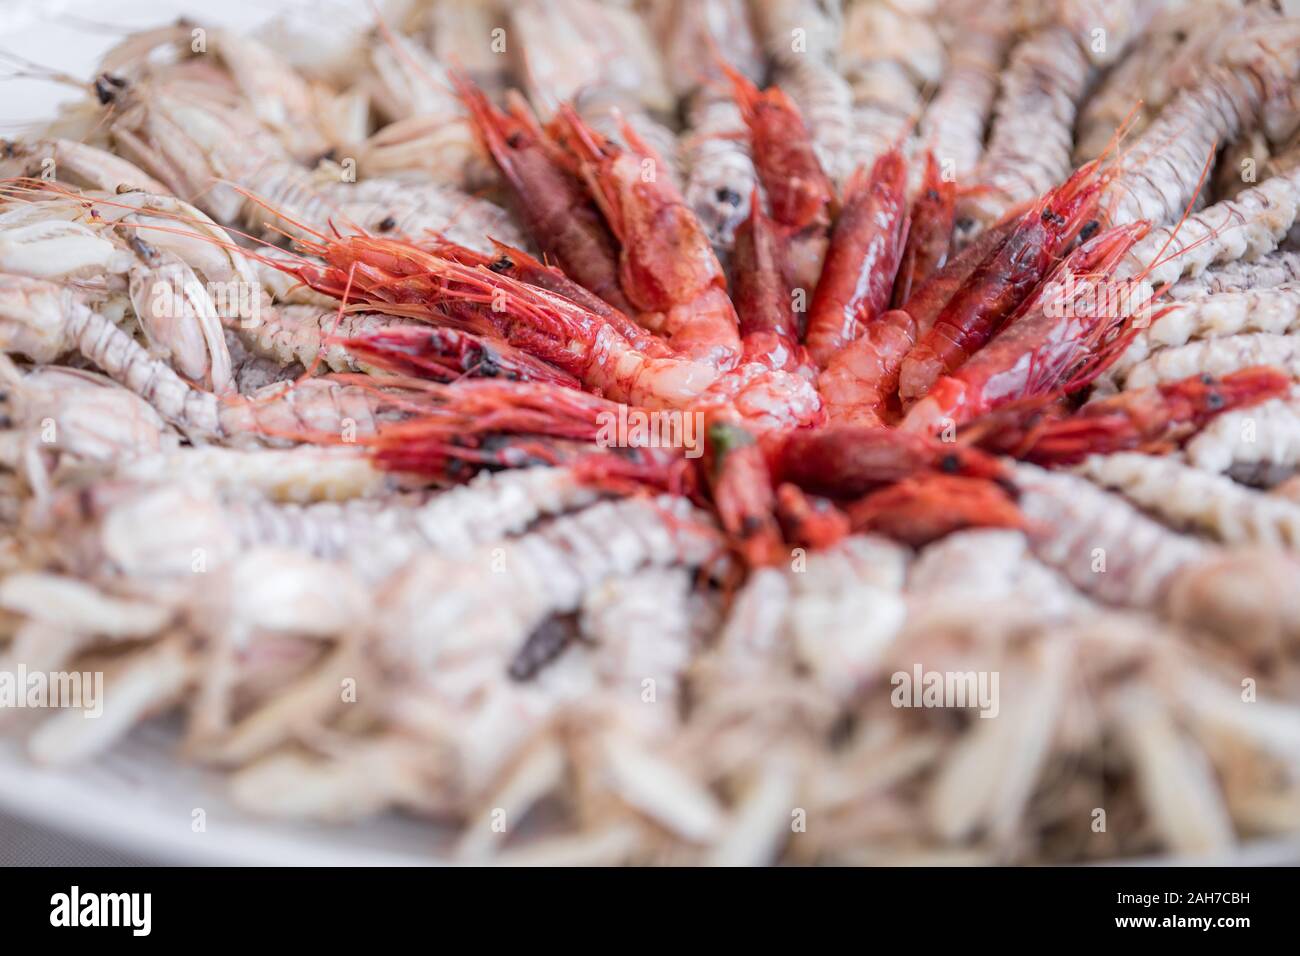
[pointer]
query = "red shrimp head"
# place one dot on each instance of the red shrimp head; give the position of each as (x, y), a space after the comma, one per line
(1151, 419)
(1069, 330)
(1200, 398)
(930, 238)
(547, 191)
(666, 257)
(1069, 208)
(798, 189)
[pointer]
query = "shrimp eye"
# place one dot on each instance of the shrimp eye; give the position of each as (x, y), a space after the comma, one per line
(488, 366)
(729, 196)
(932, 195)
(502, 264)
(950, 464)
(1207, 378)
(515, 140)
(1089, 229)
(1214, 401)
(387, 224)
(965, 224)
(107, 87)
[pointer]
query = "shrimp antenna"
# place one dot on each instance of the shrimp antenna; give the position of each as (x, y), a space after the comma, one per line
(1123, 334)
(398, 47)
(1187, 212)
(30, 69)
(264, 204)
(25, 186)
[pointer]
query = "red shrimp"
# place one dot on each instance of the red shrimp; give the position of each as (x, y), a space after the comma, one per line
(930, 296)
(798, 189)
(1072, 322)
(520, 265)
(845, 462)
(743, 495)
(866, 246)
(859, 386)
(667, 267)
(769, 332)
(1153, 420)
(1002, 281)
(550, 198)
(404, 280)
(501, 424)
(930, 238)
(926, 507)
(446, 355)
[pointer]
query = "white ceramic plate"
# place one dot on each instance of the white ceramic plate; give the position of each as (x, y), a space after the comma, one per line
(141, 799)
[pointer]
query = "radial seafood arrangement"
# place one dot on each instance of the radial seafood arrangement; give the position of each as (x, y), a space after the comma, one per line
(679, 431)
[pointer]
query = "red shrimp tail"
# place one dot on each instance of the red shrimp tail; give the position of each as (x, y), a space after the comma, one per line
(949, 402)
(921, 368)
(927, 507)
